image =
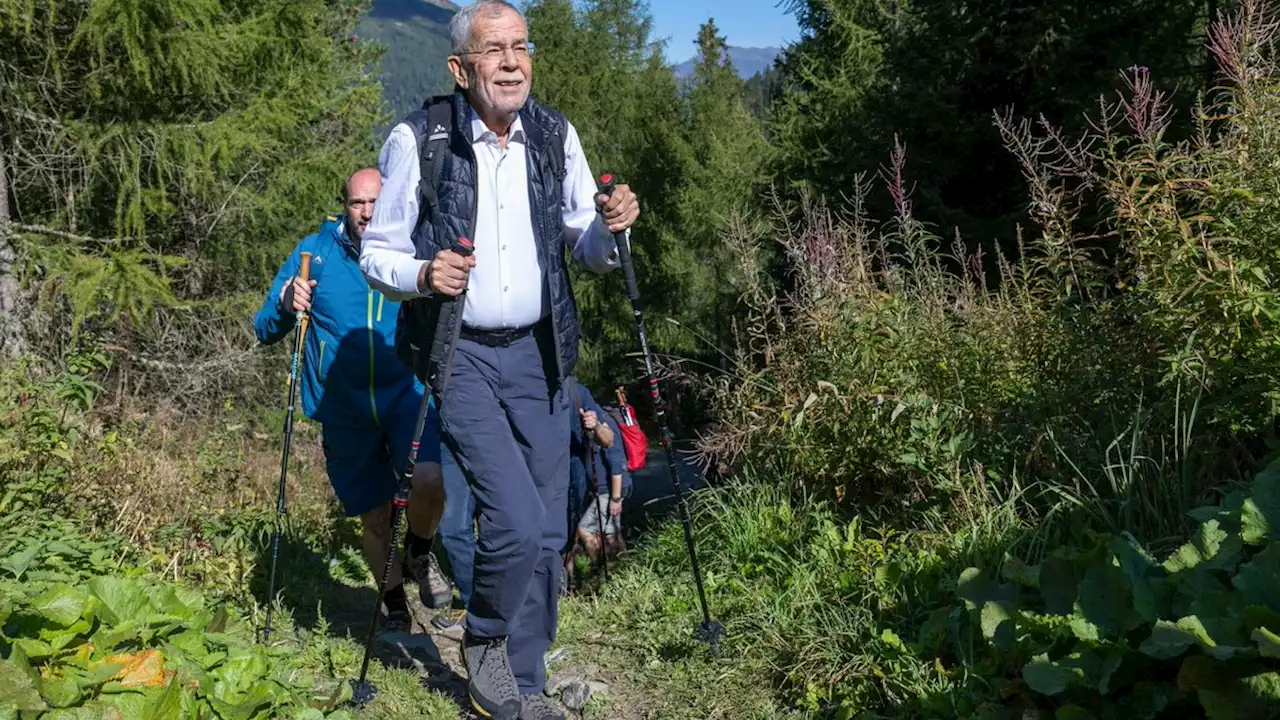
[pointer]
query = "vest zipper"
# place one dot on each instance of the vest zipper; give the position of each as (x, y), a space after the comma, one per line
(373, 397)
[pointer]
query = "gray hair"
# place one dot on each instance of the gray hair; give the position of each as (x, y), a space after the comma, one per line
(460, 24)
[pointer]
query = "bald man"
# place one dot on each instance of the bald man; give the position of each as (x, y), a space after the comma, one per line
(364, 397)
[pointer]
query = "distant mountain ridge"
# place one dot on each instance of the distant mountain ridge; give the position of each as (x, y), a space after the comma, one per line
(746, 60)
(416, 33)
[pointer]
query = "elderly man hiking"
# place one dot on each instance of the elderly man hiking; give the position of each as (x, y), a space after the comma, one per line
(363, 396)
(513, 181)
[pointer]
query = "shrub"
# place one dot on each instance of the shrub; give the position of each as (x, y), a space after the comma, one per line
(1124, 370)
(1104, 628)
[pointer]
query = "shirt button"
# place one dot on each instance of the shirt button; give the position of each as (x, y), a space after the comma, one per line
(504, 247)
(505, 288)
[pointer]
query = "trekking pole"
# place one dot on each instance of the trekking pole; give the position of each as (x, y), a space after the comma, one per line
(710, 630)
(363, 691)
(595, 500)
(304, 319)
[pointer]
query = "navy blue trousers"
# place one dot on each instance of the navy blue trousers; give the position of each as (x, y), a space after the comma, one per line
(457, 524)
(508, 425)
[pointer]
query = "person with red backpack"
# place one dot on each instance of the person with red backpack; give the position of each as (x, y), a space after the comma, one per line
(634, 441)
(598, 480)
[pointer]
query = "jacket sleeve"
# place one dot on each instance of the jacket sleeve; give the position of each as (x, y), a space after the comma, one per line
(272, 323)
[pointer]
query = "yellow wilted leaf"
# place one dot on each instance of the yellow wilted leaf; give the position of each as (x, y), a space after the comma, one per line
(144, 669)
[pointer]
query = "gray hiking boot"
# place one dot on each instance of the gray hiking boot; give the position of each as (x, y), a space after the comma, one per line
(491, 684)
(536, 707)
(434, 589)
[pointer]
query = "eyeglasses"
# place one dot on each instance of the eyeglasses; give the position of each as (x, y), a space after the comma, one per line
(522, 50)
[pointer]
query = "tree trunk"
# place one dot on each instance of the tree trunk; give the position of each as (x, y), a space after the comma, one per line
(12, 307)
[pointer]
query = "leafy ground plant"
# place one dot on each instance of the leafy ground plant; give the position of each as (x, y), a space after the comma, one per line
(1106, 630)
(124, 647)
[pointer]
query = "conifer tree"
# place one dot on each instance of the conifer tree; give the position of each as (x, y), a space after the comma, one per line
(725, 154)
(144, 138)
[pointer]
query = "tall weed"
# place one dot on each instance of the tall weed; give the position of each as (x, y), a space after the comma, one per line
(1121, 366)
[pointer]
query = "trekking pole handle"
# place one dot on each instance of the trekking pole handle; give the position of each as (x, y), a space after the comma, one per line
(304, 272)
(607, 187)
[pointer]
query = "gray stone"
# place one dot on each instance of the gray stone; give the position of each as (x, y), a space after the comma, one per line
(576, 695)
(557, 683)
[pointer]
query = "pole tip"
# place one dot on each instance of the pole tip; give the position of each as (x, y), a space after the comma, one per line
(362, 693)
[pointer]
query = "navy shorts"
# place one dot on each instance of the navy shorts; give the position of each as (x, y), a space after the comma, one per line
(365, 462)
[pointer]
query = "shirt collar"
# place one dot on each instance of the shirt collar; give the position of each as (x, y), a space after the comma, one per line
(481, 132)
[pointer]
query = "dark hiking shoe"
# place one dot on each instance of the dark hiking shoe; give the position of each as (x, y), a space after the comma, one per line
(434, 589)
(490, 684)
(396, 620)
(536, 707)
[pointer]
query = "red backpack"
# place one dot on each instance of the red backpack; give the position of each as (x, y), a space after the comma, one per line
(633, 438)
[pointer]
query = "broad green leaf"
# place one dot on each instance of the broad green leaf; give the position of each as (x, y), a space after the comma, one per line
(77, 713)
(61, 638)
(309, 714)
(121, 599)
(1254, 527)
(974, 587)
(1199, 592)
(167, 704)
(1258, 581)
(934, 631)
(1151, 593)
(1083, 629)
(997, 623)
(34, 649)
(107, 637)
(60, 692)
(1205, 547)
(1016, 571)
(18, 689)
(1260, 516)
(1059, 581)
(1047, 677)
(1169, 640)
(131, 703)
(18, 564)
(6, 609)
(179, 602)
(1072, 712)
(1105, 596)
(1145, 701)
(1268, 642)
(62, 603)
(1254, 696)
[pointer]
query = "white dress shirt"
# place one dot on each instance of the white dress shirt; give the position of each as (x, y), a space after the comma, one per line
(507, 288)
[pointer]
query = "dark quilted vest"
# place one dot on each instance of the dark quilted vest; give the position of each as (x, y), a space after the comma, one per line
(454, 216)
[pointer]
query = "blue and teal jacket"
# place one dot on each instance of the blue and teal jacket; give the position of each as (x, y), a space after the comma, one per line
(350, 374)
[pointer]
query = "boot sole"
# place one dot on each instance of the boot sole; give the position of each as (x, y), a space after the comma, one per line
(486, 713)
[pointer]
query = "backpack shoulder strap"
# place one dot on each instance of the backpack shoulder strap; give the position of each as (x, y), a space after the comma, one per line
(432, 125)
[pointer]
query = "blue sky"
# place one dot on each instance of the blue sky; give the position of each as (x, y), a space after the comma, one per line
(745, 23)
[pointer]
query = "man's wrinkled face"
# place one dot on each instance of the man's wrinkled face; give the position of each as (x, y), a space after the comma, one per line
(362, 193)
(496, 69)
